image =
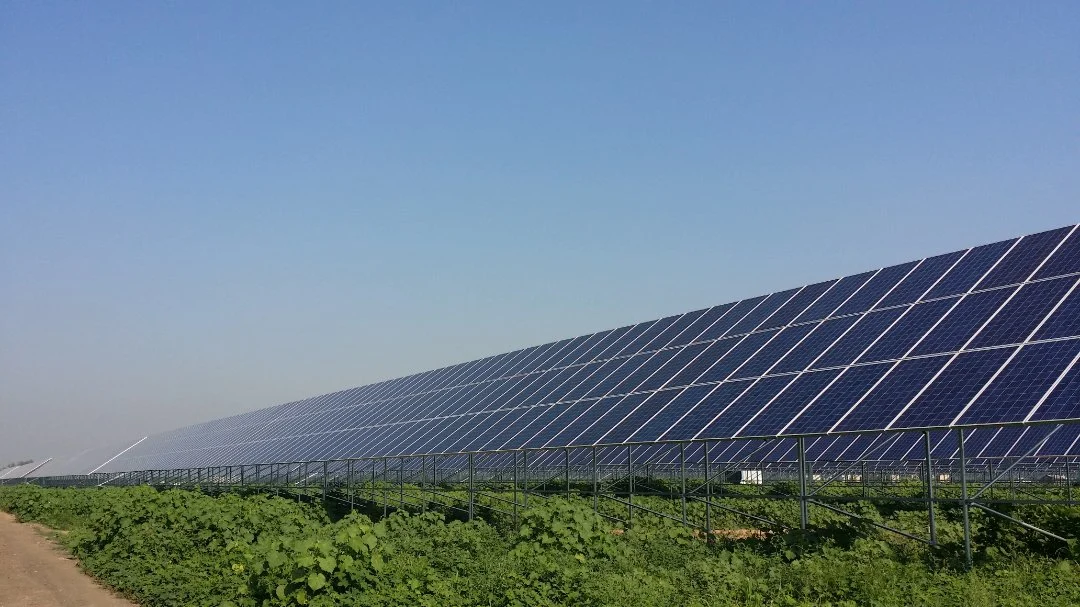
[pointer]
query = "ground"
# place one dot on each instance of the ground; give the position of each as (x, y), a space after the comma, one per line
(36, 572)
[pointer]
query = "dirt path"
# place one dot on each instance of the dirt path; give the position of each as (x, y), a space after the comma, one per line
(35, 572)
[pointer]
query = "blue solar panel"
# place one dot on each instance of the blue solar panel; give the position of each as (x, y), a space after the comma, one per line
(805, 353)
(833, 403)
(743, 408)
(737, 312)
(927, 274)
(835, 297)
(861, 336)
(1066, 260)
(1065, 321)
(970, 269)
(671, 413)
(950, 391)
(1023, 259)
(908, 330)
(634, 420)
(796, 305)
(875, 289)
(1063, 401)
(892, 394)
(962, 322)
(1020, 386)
(1023, 313)
(770, 353)
(799, 393)
(671, 368)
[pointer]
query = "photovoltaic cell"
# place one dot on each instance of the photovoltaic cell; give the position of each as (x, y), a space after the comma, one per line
(859, 338)
(920, 279)
(908, 330)
(960, 381)
(697, 328)
(1023, 313)
(1023, 259)
(962, 322)
(1063, 401)
(705, 411)
(1065, 320)
(672, 412)
(771, 352)
(676, 363)
(737, 312)
(738, 355)
(824, 335)
(796, 305)
(970, 269)
(894, 392)
(1016, 391)
(840, 292)
(744, 407)
(1066, 260)
(772, 418)
(837, 399)
(876, 288)
(759, 314)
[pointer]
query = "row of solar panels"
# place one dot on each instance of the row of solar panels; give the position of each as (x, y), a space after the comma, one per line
(22, 471)
(983, 445)
(985, 335)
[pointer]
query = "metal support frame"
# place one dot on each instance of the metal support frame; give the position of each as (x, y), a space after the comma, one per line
(804, 497)
(688, 474)
(472, 487)
(930, 488)
(965, 504)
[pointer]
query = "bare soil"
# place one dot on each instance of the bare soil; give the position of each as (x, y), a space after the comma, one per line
(36, 572)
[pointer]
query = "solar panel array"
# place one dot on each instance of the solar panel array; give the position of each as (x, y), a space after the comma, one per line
(985, 335)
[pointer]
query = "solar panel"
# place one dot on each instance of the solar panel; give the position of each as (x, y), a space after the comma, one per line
(984, 335)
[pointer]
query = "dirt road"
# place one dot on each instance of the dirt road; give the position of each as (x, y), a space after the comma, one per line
(35, 572)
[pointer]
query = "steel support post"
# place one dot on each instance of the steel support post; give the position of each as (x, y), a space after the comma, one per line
(325, 482)
(865, 480)
(525, 473)
(708, 497)
(630, 494)
(348, 483)
(386, 487)
(514, 479)
(682, 478)
(966, 506)
(434, 476)
(423, 481)
(373, 497)
(241, 477)
(595, 483)
(804, 506)
(401, 481)
(472, 494)
(930, 488)
(566, 470)
(1068, 483)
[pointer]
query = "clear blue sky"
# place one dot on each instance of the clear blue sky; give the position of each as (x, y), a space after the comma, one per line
(209, 207)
